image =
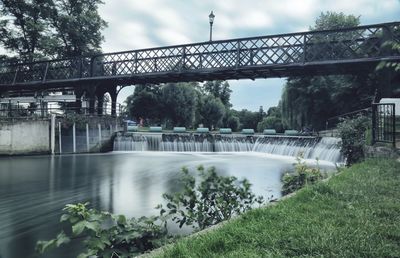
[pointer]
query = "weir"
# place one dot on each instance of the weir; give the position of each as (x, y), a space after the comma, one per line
(322, 148)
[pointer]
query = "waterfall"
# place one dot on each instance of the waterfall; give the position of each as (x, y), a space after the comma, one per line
(233, 143)
(325, 148)
(137, 142)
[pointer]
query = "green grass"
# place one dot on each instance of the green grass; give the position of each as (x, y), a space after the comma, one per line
(355, 214)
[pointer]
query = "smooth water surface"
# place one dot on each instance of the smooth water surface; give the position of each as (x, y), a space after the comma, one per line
(33, 190)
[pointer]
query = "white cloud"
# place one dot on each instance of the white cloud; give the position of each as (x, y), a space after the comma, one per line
(172, 37)
(151, 23)
(135, 24)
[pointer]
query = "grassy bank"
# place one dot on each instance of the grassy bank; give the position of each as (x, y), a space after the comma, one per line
(355, 214)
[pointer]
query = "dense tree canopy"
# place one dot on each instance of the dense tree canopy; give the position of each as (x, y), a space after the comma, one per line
(219, 89)
(272, 120)
(212, 111)
(189, 105)
(309, 101)
(145, 102)
(179, 103)
(50, 28)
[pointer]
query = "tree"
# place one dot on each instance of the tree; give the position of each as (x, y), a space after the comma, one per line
(248, 119)
(219, 89)
(23, 28)
(233, 122)
(275, 111)
(78, 27)
(333, 20)
(270, 122)
(310, 101)
(212, 111)
(179, 102)
(390, 70)
(145, 102)
(273, 120)
(50, 28)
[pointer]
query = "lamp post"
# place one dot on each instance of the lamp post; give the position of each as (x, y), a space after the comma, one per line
(211, 20)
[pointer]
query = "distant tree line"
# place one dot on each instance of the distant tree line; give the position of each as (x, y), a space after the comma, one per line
(190, 105)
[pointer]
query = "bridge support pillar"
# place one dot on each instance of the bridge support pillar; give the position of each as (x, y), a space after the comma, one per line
(100, 102)
(91, 92)
(113, 94)
(78, 101)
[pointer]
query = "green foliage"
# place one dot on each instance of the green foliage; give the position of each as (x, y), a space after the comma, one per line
(183, 104)
(107, 235)
(57, 28)
(212, 111)
(78, 27)
(213, 200)
(145, 102)
(354, 214)
(219, 89)
(232, 122)
(333, 20)
(179, 103)
(79, 120)
(309, 101)
(303, 175)
(22, 27)
(270, 122)
(393, 47)
(353, 134)
(247, 118)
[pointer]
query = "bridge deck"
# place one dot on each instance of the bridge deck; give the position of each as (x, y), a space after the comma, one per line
(307, 53)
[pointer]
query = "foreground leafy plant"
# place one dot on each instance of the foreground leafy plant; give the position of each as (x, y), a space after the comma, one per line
(108, 235)
(303, 175)
(352, 132)
(105, 235)
(213, 200)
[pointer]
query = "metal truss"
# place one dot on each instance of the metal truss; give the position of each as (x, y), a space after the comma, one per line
(296, 54)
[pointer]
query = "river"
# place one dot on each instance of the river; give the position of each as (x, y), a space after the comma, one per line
(33, 190)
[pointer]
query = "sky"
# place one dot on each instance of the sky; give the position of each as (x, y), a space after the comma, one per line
(136, 24)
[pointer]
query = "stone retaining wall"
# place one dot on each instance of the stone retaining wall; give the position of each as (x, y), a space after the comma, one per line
(24, 137)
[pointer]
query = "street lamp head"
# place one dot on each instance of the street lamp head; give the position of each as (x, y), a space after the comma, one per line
(211, 17)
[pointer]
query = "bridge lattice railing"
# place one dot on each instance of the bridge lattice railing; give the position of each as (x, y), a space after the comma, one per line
(285, 49)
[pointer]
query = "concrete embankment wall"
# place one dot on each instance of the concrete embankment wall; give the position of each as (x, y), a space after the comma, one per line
(24, 137)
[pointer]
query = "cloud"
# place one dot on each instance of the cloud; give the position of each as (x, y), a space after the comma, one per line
(136, 24)
(139, 24)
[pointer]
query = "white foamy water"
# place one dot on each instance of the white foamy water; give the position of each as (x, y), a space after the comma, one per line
(325, 148)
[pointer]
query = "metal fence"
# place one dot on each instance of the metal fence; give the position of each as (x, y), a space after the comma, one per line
(11, 111)
(332, 122)
(384, 123)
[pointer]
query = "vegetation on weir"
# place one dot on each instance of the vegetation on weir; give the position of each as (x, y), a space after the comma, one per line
(354, 214)
(353, 133)
(213, 200)
(301, 176)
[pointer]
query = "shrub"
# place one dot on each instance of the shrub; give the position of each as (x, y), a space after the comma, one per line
(107, 235)
(302, 176)
(353, 134)
(213, 200)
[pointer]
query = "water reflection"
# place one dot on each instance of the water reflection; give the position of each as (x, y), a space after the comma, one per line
(33, 190)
